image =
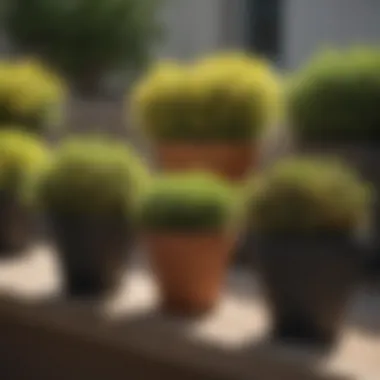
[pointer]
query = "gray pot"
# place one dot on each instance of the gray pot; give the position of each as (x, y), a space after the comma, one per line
(92, 252)
(307, 281)
(365, 158)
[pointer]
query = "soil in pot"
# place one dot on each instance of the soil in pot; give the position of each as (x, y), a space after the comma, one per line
(232, 161)
(189, 269)
(17, 226)
(364, 157)
(308, 282)
(92, 253)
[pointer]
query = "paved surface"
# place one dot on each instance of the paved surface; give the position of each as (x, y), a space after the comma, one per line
(238, 325)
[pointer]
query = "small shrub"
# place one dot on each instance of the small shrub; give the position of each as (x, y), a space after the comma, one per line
(337, 96)
(22, 160)
(88, 39)
(90, 176)
(193, 201)
(226, 97)
(309, 195)
(30, 96)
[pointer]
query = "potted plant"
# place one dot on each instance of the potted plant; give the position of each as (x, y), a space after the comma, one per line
(188, 230)
(31, 97)
(306, 214)
(208, 115)
(88, 194)
(333, 110)
(22, 159)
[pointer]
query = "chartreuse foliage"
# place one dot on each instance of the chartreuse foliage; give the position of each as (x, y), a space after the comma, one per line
(228, 97)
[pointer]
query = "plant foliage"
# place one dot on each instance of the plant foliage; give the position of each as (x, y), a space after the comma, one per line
(337, 97)
(91, 176)
(84, 36)
(31, 97)
(309, 195)
(23, 159)
(228, 97)
(188, 202)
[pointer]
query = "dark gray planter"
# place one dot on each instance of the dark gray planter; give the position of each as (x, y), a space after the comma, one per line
(365, 158)
(308, 281)
(246, 251)
(17, 226)
(92, 253)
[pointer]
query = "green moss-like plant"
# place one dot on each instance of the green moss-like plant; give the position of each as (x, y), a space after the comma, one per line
(188, 202)
(228, 97)
(23, 158)
(31, 97)
(308, 195)
(93, 177)
(337, 97)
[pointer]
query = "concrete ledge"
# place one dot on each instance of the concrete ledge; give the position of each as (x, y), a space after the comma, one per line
(46, 337)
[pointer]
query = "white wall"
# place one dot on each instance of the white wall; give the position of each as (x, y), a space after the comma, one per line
(193, 27)
(314, 24)
(196, 27)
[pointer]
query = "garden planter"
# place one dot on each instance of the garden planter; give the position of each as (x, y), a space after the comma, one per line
(308, 281)
(189, 268)
(92, 253)
(232, 161)
(16, 225)
(365, 158)
(246, 250)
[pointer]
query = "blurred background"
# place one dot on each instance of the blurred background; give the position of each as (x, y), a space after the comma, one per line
(97, 50)
(108, 52)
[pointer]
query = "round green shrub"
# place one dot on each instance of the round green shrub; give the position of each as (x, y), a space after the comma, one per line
(22, 160)
(92, 176)
(191, 201)
(308, 195)
(31, 96)
(337, 97)
(227, 97)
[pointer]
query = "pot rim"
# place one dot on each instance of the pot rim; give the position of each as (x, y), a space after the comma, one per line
(230, 144)
(166, 232)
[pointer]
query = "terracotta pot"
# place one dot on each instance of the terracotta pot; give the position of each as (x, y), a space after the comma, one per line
(308, 281)
(189, 268)
(92, 253)
(232, 161)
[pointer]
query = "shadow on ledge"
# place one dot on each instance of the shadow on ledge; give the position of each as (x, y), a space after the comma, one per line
(364, 313)
(64, 340)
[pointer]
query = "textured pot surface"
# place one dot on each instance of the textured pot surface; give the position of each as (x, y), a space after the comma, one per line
(16, 225)
(246, 250)
(92, 253)
(308, 281)
(189, 268)
(232, 161)
(364, 157)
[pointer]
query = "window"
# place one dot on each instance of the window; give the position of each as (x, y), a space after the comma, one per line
(264, 23)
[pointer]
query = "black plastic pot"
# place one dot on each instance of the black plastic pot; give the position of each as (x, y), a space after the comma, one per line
(17, 226)
(308, 281)
(365, 158)
(92, 253)
(245, 255)
(275, 144)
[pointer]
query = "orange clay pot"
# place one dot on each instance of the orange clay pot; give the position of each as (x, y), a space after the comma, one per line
(189, 268)
(232, 161)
